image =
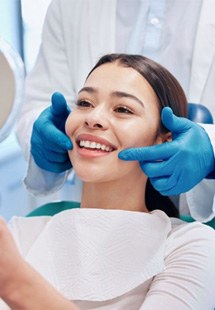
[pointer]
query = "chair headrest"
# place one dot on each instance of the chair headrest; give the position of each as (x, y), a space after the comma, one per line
(198, 113)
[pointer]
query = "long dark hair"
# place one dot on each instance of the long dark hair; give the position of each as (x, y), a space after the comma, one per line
(169, 94)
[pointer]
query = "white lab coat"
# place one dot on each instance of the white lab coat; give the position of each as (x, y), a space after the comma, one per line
(79, 42)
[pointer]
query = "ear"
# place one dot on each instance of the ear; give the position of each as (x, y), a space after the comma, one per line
(164, 137)
(167, 137)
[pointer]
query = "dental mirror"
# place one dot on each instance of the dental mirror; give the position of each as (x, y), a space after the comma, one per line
(11, 87)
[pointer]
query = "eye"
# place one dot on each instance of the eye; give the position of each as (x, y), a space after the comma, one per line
(123, 109)
(83, 104)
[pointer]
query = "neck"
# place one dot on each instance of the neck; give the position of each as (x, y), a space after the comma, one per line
(121, 195)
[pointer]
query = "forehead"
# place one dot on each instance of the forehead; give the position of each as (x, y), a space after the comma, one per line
(112, 76)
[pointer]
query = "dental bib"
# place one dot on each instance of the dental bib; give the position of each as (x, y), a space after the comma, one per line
(98, 255)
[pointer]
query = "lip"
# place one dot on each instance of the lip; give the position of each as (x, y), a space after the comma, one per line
(92, 138)
(87, 152)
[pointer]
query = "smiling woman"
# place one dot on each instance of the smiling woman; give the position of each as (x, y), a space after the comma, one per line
(113, 252)
(119, 107)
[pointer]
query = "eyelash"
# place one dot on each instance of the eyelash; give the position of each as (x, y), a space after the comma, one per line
(123, 109)
(120, 109)
(83, 104)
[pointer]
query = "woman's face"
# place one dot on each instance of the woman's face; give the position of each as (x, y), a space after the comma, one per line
(116, 109)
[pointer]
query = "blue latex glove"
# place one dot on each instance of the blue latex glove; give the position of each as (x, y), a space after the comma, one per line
(49, 143)
(177, 166)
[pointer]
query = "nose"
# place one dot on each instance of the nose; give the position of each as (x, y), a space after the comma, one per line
(96, 119)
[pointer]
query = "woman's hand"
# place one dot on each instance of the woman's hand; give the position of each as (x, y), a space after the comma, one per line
(22, 287)
(11, 262)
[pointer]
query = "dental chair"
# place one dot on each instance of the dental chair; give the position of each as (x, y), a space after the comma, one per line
(196, 112)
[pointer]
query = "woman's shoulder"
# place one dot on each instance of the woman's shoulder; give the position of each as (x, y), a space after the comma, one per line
(181, 225)
(191, 236)
(189, 259)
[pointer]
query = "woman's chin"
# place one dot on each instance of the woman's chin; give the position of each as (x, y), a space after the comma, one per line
(87, 174)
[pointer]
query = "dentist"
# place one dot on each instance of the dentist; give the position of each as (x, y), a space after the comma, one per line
(71, 45)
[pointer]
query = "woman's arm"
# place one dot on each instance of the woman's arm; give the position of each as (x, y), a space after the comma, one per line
(21, 287)
(188, 280)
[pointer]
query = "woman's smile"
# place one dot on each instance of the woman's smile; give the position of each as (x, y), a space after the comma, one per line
(93, 146)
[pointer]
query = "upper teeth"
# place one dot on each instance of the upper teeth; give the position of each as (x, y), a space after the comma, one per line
(95, 145)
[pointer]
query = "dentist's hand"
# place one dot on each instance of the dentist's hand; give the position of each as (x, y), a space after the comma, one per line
(49, 143)
(177, 166)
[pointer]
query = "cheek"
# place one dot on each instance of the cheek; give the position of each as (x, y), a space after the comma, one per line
(71, 124)
(68, 125)
(141, 134)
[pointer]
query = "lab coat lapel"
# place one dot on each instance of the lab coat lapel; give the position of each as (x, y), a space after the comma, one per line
(204, 51)
(94, 34)
(102, 38)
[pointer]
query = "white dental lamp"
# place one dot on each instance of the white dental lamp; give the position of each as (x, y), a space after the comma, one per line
(12, 75)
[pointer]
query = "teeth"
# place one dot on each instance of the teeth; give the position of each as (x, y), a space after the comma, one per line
(95, 145)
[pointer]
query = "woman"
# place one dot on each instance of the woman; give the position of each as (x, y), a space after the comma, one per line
(113, 253)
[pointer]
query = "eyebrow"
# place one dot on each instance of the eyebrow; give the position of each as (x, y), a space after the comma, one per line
(118, 94)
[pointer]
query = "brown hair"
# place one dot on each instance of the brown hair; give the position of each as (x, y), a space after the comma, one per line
(169, 94)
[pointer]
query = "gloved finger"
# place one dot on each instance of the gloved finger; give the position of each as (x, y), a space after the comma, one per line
(57, 137)
(49, 156)
(59, 104)
(173, 184)
(52, 147)
(57, 168)
(47, 147)
(50, 137)
(149, 153)
(56, 157)
(172, 122)
(157, 169)
(51, 166)
(165, 186)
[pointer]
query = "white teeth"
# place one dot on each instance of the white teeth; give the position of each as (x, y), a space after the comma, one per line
(95, 145)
